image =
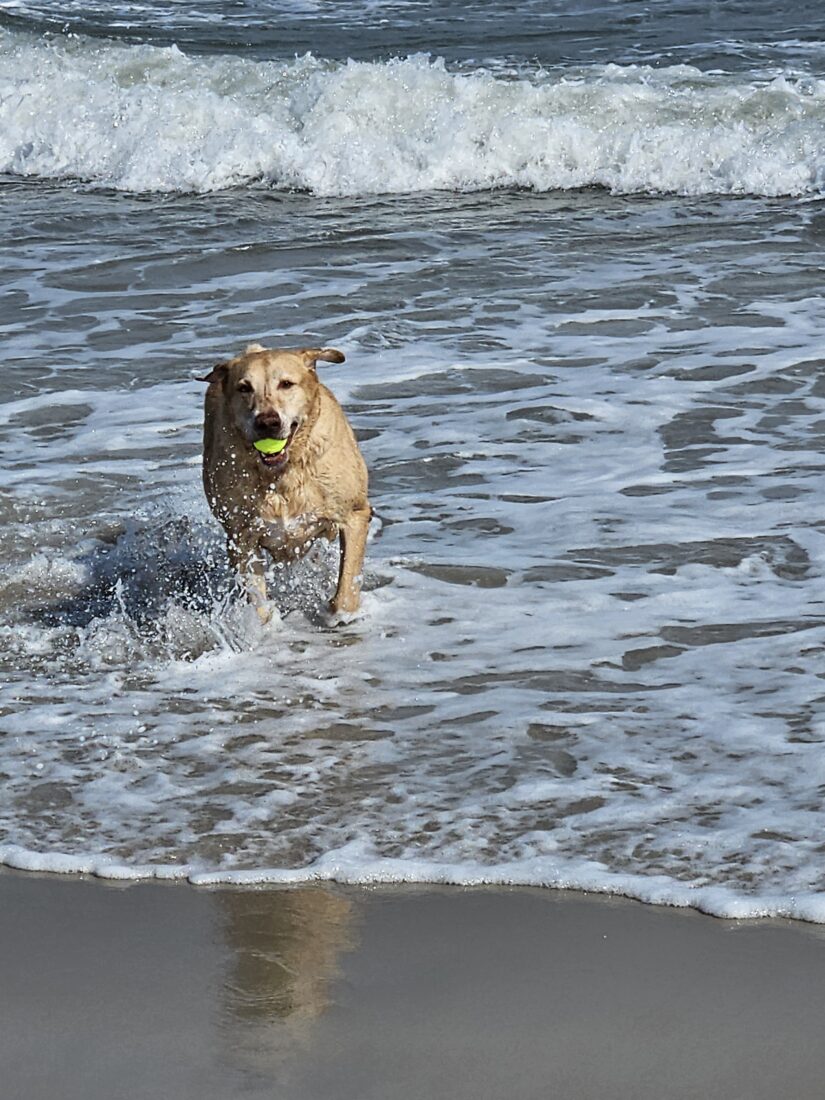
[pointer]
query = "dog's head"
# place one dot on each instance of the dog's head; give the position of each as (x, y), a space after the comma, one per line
(269, 394)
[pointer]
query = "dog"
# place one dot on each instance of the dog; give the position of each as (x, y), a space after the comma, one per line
(315, 487)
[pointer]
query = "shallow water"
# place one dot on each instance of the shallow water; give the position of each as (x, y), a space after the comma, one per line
(591, 647)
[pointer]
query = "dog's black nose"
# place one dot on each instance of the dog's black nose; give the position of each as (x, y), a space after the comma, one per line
(270, 423)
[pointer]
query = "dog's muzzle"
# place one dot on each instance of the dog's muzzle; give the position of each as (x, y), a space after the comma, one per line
(272, 427)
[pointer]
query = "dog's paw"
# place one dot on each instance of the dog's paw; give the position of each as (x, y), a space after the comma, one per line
(265, 612)
(339, 616)
(269, 618)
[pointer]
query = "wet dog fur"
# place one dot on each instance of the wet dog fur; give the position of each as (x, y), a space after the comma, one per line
(316, 487)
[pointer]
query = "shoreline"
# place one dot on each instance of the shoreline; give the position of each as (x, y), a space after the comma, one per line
(720, 902)
(397, 991)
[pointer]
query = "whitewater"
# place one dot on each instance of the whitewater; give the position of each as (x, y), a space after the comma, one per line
(577, 278)
(148, 118)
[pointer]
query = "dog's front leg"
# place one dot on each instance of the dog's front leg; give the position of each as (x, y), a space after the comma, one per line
(247, 562)
(353, 541)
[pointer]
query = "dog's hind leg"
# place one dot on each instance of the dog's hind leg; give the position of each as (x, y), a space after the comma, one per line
(353, 541)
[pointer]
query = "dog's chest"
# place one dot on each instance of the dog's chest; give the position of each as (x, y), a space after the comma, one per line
(289, 508)
(292, 523)
(294, 532)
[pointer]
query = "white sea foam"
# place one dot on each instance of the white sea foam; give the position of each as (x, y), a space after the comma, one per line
(142, 118)
(531, 730)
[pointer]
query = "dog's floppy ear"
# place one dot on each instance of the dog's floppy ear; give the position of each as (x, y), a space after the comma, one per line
(329, 355)
(217, 374)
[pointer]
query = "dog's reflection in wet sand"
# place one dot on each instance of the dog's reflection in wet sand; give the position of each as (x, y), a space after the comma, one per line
(285, 947)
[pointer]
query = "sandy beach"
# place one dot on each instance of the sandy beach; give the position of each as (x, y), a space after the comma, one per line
(166, 990)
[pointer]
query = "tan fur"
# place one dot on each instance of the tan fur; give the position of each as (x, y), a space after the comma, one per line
(316, 489)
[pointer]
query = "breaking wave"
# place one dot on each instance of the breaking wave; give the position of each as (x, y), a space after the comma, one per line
(144, 118)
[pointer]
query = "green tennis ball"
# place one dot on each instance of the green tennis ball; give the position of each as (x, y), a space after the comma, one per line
(269, 446)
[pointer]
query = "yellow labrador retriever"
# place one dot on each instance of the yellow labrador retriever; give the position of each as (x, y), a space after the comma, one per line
(314, 487)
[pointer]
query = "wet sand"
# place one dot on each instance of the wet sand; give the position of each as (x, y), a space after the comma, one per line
(170, 991)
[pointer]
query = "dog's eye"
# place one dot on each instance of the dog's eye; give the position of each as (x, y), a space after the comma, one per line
(285, 384)
(244, 387)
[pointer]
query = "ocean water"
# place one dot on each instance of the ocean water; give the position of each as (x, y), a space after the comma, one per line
(573, 255)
